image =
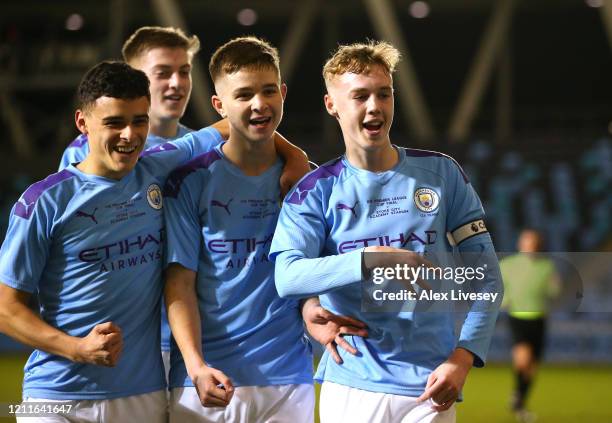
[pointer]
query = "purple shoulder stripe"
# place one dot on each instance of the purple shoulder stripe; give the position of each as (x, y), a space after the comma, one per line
(415, 152)
(25, 204)
(79, 141)
(332, 169)
(178, 175)
(158, 149)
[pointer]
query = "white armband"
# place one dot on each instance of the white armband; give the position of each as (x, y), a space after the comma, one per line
(466, 231)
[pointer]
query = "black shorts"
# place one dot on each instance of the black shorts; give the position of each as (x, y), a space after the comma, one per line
(529, 331)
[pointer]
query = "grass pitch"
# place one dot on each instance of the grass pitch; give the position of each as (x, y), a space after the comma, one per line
(11, 375)
(560, 394)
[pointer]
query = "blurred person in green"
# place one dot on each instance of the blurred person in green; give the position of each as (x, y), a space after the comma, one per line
(530, 284)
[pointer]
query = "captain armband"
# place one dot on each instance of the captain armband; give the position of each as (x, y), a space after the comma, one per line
(466, 231)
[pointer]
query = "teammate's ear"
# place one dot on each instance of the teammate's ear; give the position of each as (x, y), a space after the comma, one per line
(329, 105)
(283, 90)
(80, 121)
(218, 105)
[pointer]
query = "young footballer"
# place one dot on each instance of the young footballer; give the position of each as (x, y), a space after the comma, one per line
(165, 55)
(381, 198)
(243, 356)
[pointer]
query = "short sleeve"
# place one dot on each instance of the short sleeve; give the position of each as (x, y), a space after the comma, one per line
(182, 217)
(25, 250)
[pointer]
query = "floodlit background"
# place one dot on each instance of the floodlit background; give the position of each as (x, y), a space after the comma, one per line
(519, 92)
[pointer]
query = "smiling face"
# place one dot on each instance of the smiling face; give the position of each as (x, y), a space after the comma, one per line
(169, 73)
(117, 130)
(252, 100)
(363, 105)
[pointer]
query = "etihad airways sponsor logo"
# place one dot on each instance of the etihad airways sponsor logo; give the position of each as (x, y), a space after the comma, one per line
(399, 241)
(238, 245)
(124, 247)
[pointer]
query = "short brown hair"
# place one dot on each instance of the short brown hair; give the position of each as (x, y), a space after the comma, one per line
(360, 57)
(243, 52)
(149, 37)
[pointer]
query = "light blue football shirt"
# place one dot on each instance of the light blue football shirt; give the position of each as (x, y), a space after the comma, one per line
(336, 211)
(79, 149)
(248, 331)
(91, 247)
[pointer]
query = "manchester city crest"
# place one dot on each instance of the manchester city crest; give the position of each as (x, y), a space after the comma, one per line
(426, 200)
(154, 196)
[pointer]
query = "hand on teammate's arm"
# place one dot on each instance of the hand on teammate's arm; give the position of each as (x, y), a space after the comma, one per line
(446, 382)
(328, 329)
(184, 318)
(102, 346)
(296, 162)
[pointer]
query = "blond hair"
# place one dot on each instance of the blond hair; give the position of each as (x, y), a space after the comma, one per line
(360, 58)
(243, 52)
(150, 37)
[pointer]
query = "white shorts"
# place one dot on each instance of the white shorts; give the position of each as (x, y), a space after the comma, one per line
(151, 408)
(261, 404)
(340, 403)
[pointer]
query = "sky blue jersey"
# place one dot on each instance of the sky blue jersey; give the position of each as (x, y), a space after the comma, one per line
(336, 211)
(91, 247)
(79, 149)
(248, 331)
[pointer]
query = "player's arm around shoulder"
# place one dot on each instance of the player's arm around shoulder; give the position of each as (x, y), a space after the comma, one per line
(164, 158)
(296, 162)
(102, 346)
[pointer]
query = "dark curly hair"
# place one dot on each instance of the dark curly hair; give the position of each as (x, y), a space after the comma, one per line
(112, 79)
